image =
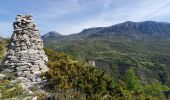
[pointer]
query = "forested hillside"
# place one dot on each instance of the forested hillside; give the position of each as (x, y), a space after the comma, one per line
(83, 81)
(142, 46)
(75, 79)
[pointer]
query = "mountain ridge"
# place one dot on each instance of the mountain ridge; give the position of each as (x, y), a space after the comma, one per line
(134, 30)
(137, 30)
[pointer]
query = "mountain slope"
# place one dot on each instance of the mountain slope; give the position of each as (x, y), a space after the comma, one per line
(143, 46)
(130, 29)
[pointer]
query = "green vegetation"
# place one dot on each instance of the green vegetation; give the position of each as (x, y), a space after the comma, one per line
(80, 80)
(149, 58)
(9, 90)
(3, 47)
(66, 75)
(12, 89)
(155, 89)
(132, 80)
(75, 79)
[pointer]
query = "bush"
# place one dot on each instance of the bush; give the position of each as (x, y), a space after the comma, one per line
(155, 89)
(132, 80)
(65, 74)
(9, 90)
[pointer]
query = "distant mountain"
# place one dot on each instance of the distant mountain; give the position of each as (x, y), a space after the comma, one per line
(51, 36)
(134, 30)
(137, 30)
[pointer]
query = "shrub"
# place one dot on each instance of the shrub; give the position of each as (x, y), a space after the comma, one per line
(9, 90)
(132, 80)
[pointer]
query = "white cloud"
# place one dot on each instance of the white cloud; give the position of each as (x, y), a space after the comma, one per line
(106, 3)
(72, 16)
(56, 9)
(141, 11)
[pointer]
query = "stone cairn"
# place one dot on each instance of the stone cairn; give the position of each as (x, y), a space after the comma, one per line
(25, 55)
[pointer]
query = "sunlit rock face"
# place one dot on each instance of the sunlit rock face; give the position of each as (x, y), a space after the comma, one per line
(25, 56)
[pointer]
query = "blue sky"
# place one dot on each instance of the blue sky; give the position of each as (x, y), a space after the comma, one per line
(72, 16)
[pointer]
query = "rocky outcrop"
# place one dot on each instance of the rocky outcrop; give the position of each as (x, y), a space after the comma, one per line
(91, 62)
(25, 55)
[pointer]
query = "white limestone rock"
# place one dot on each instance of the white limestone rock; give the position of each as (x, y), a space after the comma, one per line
(25, 55)
(2, 76)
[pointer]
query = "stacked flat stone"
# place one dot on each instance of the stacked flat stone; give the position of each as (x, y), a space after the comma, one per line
(25, 55)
